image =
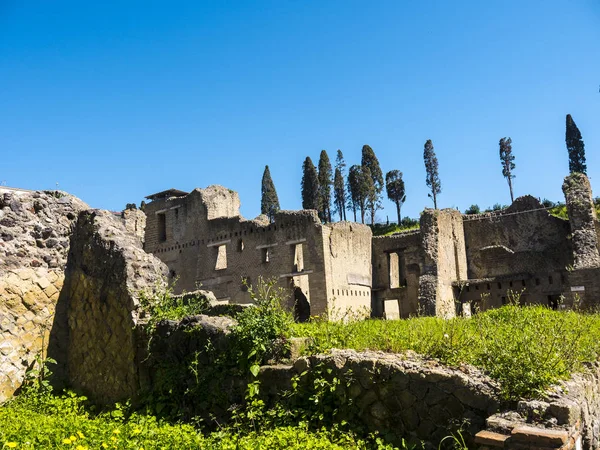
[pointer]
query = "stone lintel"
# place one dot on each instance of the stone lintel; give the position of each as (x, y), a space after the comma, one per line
(218, 244)
(267, 245)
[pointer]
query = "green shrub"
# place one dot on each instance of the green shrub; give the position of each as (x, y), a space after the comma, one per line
(48, 422)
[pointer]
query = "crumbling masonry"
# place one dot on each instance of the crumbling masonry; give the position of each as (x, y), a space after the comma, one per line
(453, 264)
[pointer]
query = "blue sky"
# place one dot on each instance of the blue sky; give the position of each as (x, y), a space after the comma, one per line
(116, 100)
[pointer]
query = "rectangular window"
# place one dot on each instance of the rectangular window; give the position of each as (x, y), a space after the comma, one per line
(162, 227)
(298, 258)
(221, 257)
(394, 265)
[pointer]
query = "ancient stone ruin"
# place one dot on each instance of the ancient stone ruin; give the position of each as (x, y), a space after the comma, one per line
(453, 264)
(71, 281)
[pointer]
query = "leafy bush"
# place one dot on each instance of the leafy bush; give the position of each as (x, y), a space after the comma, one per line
(262, 327)
(524, 348)
(66, 422)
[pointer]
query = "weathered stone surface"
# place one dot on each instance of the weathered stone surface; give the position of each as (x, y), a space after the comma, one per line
(582, 219)
(32, 260)
(106, 273)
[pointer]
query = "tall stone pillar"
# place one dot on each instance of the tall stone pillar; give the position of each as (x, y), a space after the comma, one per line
(444, 261)
(582, 219)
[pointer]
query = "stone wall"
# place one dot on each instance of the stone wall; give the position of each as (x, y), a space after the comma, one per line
(397, 264)
(205, 242)
(522, 250)
(444, 261)
(34, 241)
(29, 298)
(106, 273)
(135, 222)
(566, 417)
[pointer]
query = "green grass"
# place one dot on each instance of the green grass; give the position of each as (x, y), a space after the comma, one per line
(387, 230)
(525, 348)
(51, 422)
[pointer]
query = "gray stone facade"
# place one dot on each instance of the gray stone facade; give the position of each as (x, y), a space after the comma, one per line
(454, 264)
(205, 242)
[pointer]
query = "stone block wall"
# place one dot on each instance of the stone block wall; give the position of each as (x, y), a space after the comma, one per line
(208, 244)
(347, 265)
(566, 417)
(397, 265)
(29, 298)
(34, 240)
(444, 261)
(106, 273)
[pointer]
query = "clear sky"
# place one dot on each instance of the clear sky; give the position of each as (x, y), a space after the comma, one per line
(115, 100)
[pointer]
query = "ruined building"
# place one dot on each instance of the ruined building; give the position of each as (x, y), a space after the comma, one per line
(205, 242)
(452, 264)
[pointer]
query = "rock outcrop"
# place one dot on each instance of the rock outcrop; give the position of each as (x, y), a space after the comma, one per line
(34, 242)
(107, 272)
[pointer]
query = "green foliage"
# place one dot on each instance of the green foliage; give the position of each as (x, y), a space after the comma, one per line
(496, 207)
(339, 187)
(372, 170)
(269, 202)
(310, 185)
(394, 185)
(161, 304)
(261, 328)
(360, 187)
(68, 422)
(406, 224)
(432, 178)
(524, 348)
(575, 147)
(473, 209)
(325, 182)
(130, 206)
(507, 158)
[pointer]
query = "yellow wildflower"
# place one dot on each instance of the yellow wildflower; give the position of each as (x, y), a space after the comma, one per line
(104, 445)
(80, 447)
(11, 444)
(80, 434)
(116, 431)
(137, 431)
(67, 441)
(73, 438)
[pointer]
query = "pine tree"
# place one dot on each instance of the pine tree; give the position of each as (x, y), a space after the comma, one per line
(575, 147)
(269, 202)
(507, 158)
(431, 167)
(394, 185)
(370, 161)
(325, 183)
(339, 189)
(310, 185)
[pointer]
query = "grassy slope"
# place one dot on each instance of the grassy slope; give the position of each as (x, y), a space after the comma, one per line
(525, 348)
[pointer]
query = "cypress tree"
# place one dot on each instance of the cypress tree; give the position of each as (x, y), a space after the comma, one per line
(310, 185)
(269, 202)
(507, 158)
(370, 162)
(360, 186)
(339, 192)
(339, 188)
(325, 182)
(575, 147)
(432, 178)
(394, 185)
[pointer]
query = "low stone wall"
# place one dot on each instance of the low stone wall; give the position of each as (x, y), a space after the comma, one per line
(400, 396)
(567, 417)
(29, 298)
